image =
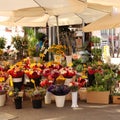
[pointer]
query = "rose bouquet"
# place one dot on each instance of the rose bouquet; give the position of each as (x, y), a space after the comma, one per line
(68, 72)
(45, 83)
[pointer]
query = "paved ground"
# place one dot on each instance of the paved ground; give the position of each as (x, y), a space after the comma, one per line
(51, 112)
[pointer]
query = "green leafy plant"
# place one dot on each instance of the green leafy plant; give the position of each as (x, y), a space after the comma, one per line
(2, 42)
(95, 39)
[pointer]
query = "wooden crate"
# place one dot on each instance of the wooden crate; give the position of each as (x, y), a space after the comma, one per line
(98, 97)
(82, 93)
(116, 99)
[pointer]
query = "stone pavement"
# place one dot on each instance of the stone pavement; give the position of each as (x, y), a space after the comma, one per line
(51, 112)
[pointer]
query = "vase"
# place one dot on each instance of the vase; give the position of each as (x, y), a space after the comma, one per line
(67, 81)
(17, 83)
(74, 99)
(2, 99)
(57, 58)
(48, 98)
(18, 102)
(60, 100)
(37, 103)
(36, 59)
(68, 60)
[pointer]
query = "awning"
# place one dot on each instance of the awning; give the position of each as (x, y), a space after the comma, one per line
(107, 22)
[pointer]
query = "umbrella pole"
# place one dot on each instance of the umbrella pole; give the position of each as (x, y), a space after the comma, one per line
(57, 29)
(112, 41)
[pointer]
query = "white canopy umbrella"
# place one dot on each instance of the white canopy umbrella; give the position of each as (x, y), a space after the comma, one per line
(115, 3)
(106, 22)
(34, 13)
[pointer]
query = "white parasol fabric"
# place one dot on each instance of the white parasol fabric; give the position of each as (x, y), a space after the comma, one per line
(106, 22)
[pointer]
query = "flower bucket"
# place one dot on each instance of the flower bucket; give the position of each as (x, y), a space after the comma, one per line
(37, 103)
(18, 102)
(57, 58)
(60, 100)
(36, 59)
(48, 98)
(67, 81)
(17, 82)
(68, 60)
(2, 99)
(74, 99)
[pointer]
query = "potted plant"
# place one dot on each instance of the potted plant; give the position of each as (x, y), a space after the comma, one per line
(116, 90)
(100, 91)
(37, 95)
(2, 46)
(17, 96)
(21, 45)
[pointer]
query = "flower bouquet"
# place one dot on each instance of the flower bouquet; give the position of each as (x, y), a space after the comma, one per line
(68, 72)
(77, 84)
(45, 83)
(59, 89)
(17, 74)
(35, 73)
(16, 71)
(57, 49)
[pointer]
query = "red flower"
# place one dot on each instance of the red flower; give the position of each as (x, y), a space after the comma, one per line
(45, 83)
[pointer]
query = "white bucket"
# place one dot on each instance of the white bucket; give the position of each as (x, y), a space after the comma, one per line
(2, 99)
(60, 100)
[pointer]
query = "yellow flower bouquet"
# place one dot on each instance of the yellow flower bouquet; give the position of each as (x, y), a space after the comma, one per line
(57, 49)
